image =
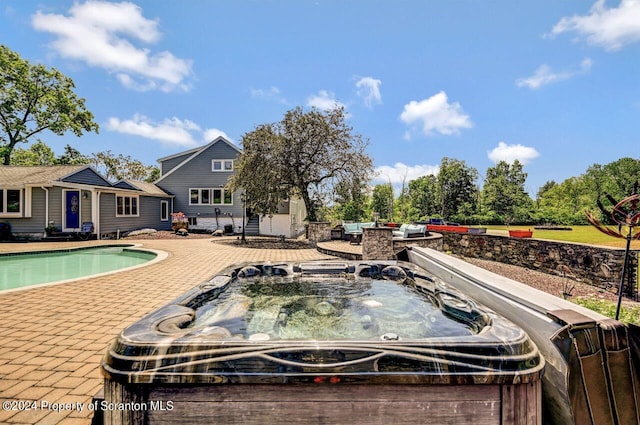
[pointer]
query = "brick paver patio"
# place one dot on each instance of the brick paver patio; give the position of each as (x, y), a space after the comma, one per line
(52, 338)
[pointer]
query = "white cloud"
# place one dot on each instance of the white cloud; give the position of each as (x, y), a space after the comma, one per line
(102, 34)
(210, 134)
(272, 93)
(436, 114)
(541, 77)
(324, 101)
(611, 28)
(171, 131)
(399, 171)
(586, 64)
(510, 153)
(544, 75)
(369, 91)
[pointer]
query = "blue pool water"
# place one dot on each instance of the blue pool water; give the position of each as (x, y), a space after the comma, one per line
(27, 269)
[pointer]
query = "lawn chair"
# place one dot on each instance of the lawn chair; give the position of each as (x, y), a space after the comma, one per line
(85, 231)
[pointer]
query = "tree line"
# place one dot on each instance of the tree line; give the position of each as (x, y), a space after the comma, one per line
(455, 194)
(113, 167)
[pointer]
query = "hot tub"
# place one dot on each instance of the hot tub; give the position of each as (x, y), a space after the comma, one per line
(323, 342)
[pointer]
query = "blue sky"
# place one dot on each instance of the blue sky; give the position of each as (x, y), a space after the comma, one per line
(555, 84)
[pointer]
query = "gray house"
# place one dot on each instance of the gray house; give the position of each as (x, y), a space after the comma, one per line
(193, 182)
(65, 196)
(198, 179)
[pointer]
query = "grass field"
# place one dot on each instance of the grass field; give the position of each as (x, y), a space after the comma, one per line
(628, 314)
(580, 234)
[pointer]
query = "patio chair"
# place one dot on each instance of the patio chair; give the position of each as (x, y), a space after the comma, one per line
(85, 231)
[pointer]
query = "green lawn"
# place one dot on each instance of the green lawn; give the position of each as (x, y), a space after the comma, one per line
(580, 234)
(628, 314)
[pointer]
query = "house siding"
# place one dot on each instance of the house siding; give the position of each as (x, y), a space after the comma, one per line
(87, 176)
(38, 221)
(148, 210)
(197, 174)
(55, 206)
(170, 164)
(33, 224)
(85, 207)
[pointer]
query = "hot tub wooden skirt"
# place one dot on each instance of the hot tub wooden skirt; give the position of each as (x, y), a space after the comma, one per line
(324, 403)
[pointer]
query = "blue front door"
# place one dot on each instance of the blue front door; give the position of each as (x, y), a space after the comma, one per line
(72, 209)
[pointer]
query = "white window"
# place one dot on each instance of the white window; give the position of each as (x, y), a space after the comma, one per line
(209, 196)
(10, 202)
(200, 196)
(126, 206)
(222, 165)
(164, 210)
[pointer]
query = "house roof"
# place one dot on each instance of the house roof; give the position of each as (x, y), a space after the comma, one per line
(11, 175)
(200, 149)
(194, 153)
(47, 175)
(145, 187)
(175, 155)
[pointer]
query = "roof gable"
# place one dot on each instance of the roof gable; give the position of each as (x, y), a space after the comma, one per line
(123, 184)
(88, 176)
(196, 153)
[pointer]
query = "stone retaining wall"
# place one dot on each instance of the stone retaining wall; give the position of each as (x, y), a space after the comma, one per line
(433, 241)
(318, 232)
(377, 243)
(595, 265)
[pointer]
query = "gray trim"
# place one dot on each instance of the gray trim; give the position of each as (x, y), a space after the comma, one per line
(176, 155)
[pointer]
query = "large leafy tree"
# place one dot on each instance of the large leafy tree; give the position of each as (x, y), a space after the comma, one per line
(351, 200)
(423, 197)
(34, 98)
(37, 154)
(566, 202)
(119, 167)
(72, 156)
(457, 191)
(306, 154)
(504, 193)
(616, 179)
(382, 200)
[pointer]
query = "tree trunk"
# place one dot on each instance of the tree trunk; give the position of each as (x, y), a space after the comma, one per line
(310, 205)
(6, 150)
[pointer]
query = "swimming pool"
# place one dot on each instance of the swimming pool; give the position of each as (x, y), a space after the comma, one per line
(26, 269)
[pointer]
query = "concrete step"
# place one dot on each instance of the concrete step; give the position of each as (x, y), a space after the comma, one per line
(253, 226)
